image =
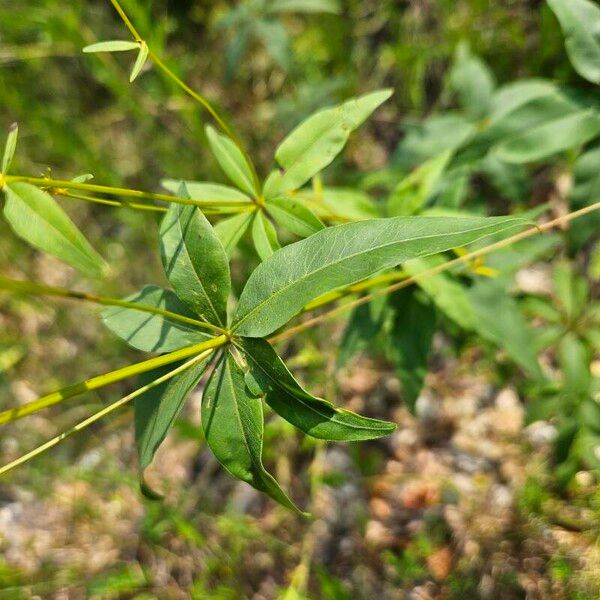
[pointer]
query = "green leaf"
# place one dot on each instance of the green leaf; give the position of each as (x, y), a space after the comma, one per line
(264, 236)
(306, 6)
(153, 332)
(39, 220)
(231, 230)
(472, 81)
(410, 340)
(231, 160)
(274, 36)
(580, 22)
(156, 410)
(294, 216)
(444, 291)
(200, 190)
(586, 191)
(140, 61)
(499, 320)
(195, 262)
(362, 330)
(346, 204)
(111, 46)
(317, 141)
(550, 138)
(341, 255)
(232, 421)
(9, 147)
(410, 195)
(313, 416)
(574, 360)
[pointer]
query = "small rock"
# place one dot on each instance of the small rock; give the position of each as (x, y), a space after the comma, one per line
(440, 563)
(378, 535)
(540, 434)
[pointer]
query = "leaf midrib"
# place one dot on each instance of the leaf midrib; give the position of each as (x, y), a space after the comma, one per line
(302, 400)
(79, 239)
(340, 261)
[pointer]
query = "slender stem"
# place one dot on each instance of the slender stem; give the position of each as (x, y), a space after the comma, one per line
(30, 287)
(435, 270)
(189, 91)
(114, 191)
(101, 381)
(105, 201)
(102, 413)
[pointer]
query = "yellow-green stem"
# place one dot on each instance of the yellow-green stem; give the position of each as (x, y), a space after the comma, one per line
(30, 287)
(189, 91)
(100, 381)
(57, 184)
(102, 413)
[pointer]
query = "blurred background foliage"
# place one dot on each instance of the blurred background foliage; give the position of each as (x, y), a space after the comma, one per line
(412, 517)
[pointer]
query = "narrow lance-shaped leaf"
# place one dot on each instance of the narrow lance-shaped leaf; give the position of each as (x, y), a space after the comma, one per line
(313, 416)
(202, 190)
(580, 22)
(410, 340)
(305, 6)
(195, 262)
(550, 138)
(156, 410)
(36, 217)
(339, 256)
(9, 147)
(153, 332)
(294, 216)
(232, 421)
(231, 160)
(140, 61)
(231, 230)
(111, 46)
(362, 329)
(317, 141)
(499, 320)
(264, 236)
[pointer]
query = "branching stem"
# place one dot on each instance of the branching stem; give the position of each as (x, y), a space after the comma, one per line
(101, 413)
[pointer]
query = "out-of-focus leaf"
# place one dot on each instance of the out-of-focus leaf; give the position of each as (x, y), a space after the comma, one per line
(499, 320)
(361, 330)
(445, 292)
(313, 416)
(574, 359)
(9, 147)
(411, 334)
(151, 332)
(305, 6)
(39, 220)
(410, 195)
(432, 137)
(580, 22)
(232, 421)
(10, 355)
(274, 36)
(550, 138)
(472, 81)
(572, 292)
